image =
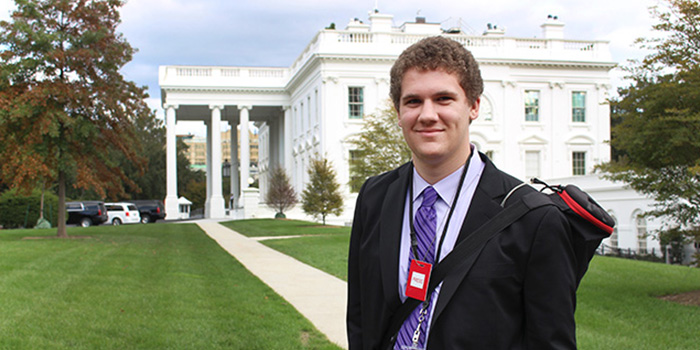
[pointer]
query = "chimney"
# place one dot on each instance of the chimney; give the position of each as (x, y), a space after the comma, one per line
(380, 22)
(552, 28)
(494, 30)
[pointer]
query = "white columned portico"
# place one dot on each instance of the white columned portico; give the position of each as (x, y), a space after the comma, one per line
(171, 205)
(216, 203)
(245, 147)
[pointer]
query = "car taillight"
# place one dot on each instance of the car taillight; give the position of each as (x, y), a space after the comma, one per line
(99, 212)
(158, 210)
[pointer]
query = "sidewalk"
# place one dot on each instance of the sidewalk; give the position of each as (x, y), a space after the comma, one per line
(320, 297)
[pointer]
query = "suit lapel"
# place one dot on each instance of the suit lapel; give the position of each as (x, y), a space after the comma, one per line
(390, 234)
(482, 208)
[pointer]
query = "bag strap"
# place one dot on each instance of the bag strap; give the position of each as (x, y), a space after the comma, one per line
(463, 251)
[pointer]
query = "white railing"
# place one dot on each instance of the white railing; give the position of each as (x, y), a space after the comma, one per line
(193, 72)
(360, 39)
(532, 44)
(355, 37)
(230, 72)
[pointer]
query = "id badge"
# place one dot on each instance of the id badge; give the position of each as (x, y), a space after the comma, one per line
(418, 279)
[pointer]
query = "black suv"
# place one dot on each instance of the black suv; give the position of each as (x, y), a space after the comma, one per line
(86, 213)
(150, 210)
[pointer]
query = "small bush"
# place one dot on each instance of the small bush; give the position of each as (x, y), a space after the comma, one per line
(18, 210)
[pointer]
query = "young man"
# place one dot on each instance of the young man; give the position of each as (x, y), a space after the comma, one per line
(519, 292)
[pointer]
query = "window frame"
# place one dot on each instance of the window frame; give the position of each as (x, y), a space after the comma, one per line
(578, 165)
(538, 155)
(578, 113)
(640, 226)
(529, 106)
(356, 102)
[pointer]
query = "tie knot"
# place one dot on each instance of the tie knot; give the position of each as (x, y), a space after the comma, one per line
(429, 197)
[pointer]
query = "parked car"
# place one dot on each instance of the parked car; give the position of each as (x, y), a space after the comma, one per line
(150, 210)
(86, 213)
(122, 213)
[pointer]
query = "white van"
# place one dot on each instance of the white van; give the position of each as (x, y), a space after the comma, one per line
(122, 213)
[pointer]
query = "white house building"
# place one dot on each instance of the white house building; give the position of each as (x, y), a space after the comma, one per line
(543, 111)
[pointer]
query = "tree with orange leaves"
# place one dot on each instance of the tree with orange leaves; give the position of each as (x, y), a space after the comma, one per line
(63, 102)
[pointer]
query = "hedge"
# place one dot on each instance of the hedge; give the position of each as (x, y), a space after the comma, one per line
(22, 211)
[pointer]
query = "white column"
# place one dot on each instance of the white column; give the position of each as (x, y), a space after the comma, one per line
(287, 143)
(171, 206)
(207, 201)
(218, 208)
(245, 147)
(235, 182)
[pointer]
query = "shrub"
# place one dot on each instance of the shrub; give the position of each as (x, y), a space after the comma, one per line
(18, 210)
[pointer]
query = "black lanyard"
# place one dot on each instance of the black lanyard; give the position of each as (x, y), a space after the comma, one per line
(414, 239)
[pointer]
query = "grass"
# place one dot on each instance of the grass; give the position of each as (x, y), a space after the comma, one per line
(328, 253)
(138, 287)
(325, 247)
(617, 307)
(272, 227)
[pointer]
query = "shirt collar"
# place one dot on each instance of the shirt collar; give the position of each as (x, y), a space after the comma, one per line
(447, 187)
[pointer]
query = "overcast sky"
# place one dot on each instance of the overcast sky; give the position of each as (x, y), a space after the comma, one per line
(274, 32)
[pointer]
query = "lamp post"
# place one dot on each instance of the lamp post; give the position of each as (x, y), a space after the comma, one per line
(226, 168)
(225, 177)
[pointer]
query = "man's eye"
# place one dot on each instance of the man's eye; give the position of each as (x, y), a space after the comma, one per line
(412, 101)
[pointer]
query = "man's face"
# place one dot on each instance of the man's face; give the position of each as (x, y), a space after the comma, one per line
(434, 114)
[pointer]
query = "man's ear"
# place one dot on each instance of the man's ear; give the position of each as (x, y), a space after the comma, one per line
(474, 110)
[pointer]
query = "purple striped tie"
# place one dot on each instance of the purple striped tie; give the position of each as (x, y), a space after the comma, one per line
(425, 226)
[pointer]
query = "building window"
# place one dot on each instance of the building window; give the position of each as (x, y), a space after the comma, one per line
(532, 164)
(532, 106)
(355, 185)
(578, 164)
(578, 106)
(356, 102)
(641, 223)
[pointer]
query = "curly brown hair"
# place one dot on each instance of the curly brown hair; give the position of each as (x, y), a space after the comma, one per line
(441, 53)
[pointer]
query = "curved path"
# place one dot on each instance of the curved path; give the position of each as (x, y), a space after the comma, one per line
(317, 295)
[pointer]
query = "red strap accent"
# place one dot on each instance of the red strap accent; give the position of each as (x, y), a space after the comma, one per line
(578, 209)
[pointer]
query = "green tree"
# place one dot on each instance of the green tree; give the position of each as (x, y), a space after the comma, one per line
(63, 102)
(280, 194)
(196, 191)
(656, 123)
(322, 197)
(380, 147)
(150, 133)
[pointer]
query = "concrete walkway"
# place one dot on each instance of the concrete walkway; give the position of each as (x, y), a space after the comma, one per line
(318, 296)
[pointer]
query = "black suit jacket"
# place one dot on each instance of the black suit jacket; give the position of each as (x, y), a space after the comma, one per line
(520, 292)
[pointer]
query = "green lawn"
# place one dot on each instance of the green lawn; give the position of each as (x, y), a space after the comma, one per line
(138, 287)
(272, 227)
(617, 308)
(171, 287)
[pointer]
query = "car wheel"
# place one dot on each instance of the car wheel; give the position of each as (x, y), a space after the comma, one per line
(116, 222)
(85, 222)
(145, 219)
